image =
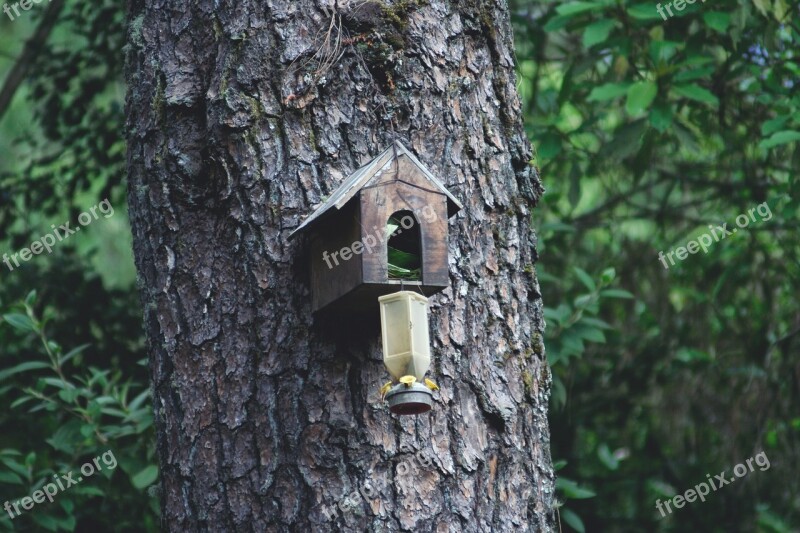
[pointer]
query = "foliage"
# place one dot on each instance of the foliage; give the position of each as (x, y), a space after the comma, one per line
(646, 132)
(403, 253)
(63, 151)
(71, 413)
(74, 95)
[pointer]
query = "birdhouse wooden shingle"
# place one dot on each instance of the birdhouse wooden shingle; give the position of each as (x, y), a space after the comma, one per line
(384, 226)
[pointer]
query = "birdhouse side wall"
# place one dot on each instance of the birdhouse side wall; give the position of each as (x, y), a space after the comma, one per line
(335, 267)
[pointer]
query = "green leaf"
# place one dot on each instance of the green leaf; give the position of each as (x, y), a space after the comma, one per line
(689, 355)
(136, 402)
(640, 96)
(771, 126)
(114, 412)
(67, 437)
(597, 32)
(23, 367)
(15, 466)
(145, 478)
(661, 117)
(663, 51)
(20, 401)
(69, 395)
(10, 477)
(607, 458)
(772, 523)
(645, 11)
(762, 5)
(89, 490)
(20, 322)
(781, 8)
(46, 521)
(551, 315)
(58, 383)
(12, 451)
(396, 272)
(72, 353)
(616, 293)
(585, 278)
(549, 147)
(573, 8)
(694, 74)
(596, 322)
(573, 345)
(717, 20)
(626, 141)
(67, 505)
(403, 259)
(781, 137)
(588, 333)
(572, 491)
(572, 520)
(30, 298)
(556, 227)
(607, 92)
(695, 92)
(556, 23)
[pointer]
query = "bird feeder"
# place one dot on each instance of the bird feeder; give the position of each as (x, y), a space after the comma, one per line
(406, 352)
(384, 226)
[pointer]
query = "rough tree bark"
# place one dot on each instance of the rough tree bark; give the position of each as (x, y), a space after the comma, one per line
(242, 116)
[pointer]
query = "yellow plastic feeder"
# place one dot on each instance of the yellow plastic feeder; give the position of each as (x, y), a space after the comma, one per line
(406, 352)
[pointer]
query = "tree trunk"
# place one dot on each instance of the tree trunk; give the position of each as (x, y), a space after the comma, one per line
(242, 116)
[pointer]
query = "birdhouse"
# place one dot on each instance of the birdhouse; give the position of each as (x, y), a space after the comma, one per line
(385, 226)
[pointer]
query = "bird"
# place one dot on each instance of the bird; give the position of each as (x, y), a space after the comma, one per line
(431, 385)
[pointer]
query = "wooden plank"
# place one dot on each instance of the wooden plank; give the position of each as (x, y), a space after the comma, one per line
(399, 191)
(331, 275)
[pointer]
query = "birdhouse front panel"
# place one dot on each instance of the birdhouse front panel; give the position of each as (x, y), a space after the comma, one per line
(406, 209)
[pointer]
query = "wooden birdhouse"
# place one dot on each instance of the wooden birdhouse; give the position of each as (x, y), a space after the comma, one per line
(383, 227)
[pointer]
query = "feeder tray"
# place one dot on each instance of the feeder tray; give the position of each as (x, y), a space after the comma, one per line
(409, 400)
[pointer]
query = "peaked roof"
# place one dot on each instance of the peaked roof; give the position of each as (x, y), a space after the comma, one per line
(361, 178)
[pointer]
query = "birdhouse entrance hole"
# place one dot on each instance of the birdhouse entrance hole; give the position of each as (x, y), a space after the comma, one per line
(404, 249)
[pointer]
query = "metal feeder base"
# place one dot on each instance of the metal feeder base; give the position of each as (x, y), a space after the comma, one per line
(413, 400)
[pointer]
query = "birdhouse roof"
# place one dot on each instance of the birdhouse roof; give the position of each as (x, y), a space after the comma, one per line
(364, 175)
